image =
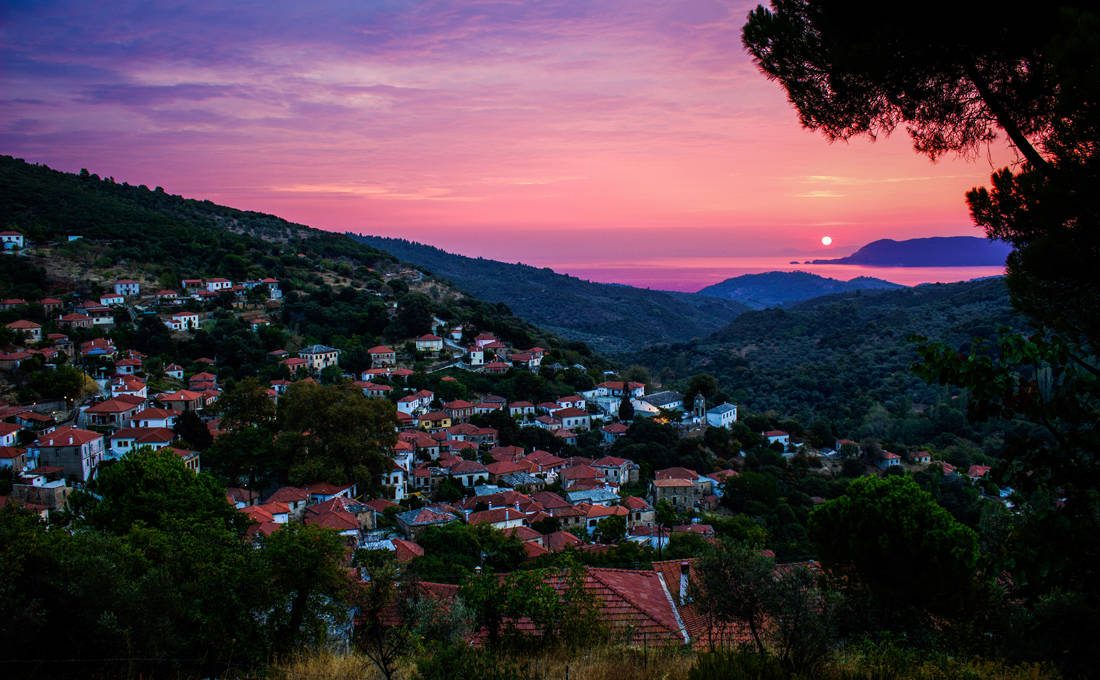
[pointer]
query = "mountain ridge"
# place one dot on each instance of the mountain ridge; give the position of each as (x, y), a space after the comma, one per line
(932, 251)
(608, 317)
(777, 288)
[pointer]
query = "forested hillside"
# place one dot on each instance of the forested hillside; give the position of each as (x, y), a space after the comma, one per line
(337, 291)
(835, 357)
(608, 317)
(780, 288)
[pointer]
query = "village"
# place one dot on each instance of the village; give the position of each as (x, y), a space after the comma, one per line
(444, 469)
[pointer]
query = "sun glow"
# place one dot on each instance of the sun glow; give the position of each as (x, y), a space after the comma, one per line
(826, 240)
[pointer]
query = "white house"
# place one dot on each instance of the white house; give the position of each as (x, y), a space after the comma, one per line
(396, 479)
(273, 291)
(723, 415)
(888, 460)
(477, 355)
(111, 299)
(573, 418)
(127, 287)
(11, 240)
(774, 436)
(215, 285)
(182, 321)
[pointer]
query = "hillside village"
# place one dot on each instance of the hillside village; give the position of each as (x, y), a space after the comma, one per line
(128, 401)
(300, 389)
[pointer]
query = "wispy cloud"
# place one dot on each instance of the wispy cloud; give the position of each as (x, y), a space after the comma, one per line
(638, 117)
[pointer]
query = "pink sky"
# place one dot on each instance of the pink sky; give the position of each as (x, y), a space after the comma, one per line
(546, 132)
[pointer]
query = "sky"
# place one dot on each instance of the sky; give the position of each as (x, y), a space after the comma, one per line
(553, 133)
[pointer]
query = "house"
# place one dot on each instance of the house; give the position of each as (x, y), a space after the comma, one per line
(294, 364)
(241, 498)
(77, 452)
(127, 288)
(459, 411)
(111, 299)
(11, 240)
(101, 316)
(777, 436)
(215, 285)
(127, 439)
(723, 415)
(521, 409)
(678, 492)
(382, 356)
(9, 433)
(154, 417)
(372, 389)
(174, 371)
(641, 513)
(572, 418)
(183, 400)
(414, 522)
(615, 388)
(273, 291)
(888, 460)
(469, 473)
(498, 518)
(976, 472)
(183, 321)
(75, 320)
(167, 295)
(98, 347)
(668, 400)
(29, 329)
(50, 305)
(429, 343)
(484, 339)
(319, 492)
(612, 431)
(319, 357)
(396, 482)
(127, 366)
(112, 413)
(921, 457)
(435, 420)
(496, 368)
(13, 457)
(476, 355)
(617, 471)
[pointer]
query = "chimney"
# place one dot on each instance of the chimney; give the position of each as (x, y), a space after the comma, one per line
(684, 568)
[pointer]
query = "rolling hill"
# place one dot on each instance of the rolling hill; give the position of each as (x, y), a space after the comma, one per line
(773, 289)
(609, 317)
(837, 355)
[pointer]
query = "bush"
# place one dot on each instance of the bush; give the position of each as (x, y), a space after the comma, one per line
(737, 665)
(462, 662)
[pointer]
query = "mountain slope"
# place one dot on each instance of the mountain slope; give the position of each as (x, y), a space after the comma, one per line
(837, 355)
(937, 251)
(772, 289)
(338, 291)
(606, 316)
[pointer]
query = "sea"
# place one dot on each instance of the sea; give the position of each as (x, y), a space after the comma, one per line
(689, 274)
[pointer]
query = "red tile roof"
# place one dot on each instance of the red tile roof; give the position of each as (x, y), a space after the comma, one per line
(67, 436)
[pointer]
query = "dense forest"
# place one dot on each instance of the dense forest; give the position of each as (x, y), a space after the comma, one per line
(842, 357)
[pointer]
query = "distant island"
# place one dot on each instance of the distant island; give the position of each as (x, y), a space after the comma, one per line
(773, 289)
(937, 251)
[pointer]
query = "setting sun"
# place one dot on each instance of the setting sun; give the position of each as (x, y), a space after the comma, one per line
(826, 240)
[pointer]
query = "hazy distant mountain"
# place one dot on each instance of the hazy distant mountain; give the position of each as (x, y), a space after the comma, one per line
(937, 251)
(609, 317)
(774, 289)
